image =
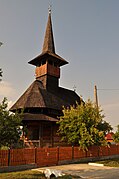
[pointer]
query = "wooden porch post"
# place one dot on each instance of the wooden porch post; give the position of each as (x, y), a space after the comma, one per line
(40, 135)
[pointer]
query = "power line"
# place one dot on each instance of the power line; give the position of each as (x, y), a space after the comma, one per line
(108, 89)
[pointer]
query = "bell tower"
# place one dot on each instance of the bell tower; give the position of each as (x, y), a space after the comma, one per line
(48, 62)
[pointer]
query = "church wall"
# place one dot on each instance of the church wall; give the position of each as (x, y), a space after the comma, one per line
(42, 134)
(47, 69)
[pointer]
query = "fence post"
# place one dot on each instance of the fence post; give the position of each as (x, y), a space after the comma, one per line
(72, 152)
(9, 157)
(57, 154)
(98, 151)
(36, 155)
(86, 153)
(108, 150)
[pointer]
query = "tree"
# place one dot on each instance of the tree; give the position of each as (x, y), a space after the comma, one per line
(83, 125)
(9, 126)
(116, 135)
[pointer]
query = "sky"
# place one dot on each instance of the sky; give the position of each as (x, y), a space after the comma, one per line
(86, 34)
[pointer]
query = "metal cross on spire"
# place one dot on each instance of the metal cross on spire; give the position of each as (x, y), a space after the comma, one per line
(50, 8)
(74, 87)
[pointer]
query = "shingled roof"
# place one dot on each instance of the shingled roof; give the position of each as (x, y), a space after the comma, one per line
(36, 96)
(48, 45)
(38, 117)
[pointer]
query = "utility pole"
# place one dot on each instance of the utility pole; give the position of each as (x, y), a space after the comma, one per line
(0, 68)
(95, 96)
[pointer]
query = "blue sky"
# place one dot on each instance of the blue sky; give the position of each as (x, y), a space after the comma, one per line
(86, 34)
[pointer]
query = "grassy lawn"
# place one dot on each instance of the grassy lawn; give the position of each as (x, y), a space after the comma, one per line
(110, 163)
(29, 174)
(22, 174)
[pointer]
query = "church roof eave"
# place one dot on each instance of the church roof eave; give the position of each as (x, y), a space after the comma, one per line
(44, 55)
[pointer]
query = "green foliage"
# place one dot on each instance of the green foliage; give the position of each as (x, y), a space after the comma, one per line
(110, 162)
(83, 125)
(116, 135)
(9, 126)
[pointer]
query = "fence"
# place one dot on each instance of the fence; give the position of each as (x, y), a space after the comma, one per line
(52, 156)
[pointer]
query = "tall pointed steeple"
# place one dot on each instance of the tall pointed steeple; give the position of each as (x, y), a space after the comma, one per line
(48, 45)
(48, 50)
(48, 63)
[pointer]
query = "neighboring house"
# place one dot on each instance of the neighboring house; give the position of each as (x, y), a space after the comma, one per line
(43, 101)
(109, 138)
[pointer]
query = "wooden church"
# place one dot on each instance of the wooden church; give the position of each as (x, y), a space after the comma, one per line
(43, 101)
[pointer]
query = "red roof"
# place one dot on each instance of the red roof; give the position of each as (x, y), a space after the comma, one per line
(109, 136)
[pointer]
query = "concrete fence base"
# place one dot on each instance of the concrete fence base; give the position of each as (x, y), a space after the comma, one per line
(17, 168)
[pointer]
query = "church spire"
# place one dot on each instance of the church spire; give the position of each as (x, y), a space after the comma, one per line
(48, 51)
(48, 45)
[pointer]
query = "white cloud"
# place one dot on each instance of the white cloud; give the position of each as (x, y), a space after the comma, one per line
(111, 112)
(6, 90)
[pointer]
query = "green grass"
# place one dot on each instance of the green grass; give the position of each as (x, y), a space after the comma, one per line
(110, 163)
(29, 174)
(23, 174)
